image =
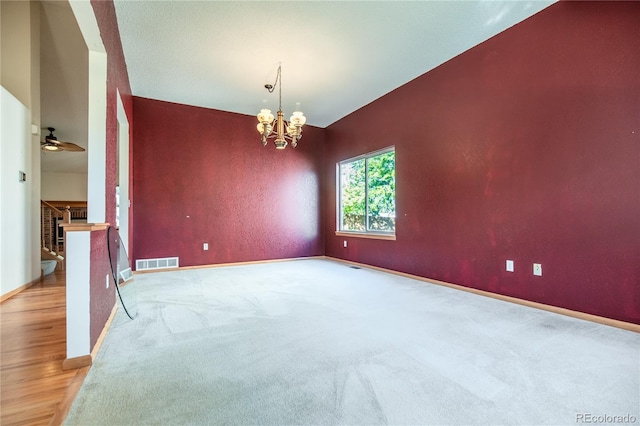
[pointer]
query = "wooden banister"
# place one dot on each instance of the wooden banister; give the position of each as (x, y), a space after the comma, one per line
(66, 215)
(52, 235)
(51, 206)
(63, 203)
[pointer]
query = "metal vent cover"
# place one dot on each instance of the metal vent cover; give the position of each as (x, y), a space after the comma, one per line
(160, 263)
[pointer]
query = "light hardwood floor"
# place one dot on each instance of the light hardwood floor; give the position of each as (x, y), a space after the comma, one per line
(34, 390)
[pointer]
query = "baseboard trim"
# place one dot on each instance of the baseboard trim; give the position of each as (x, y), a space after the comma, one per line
(77, 362)
(562, 311)
(87, 360)
(103, 333)
(21, 288)
(222, 265)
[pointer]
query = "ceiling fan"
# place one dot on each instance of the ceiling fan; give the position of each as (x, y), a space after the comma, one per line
(51, 143)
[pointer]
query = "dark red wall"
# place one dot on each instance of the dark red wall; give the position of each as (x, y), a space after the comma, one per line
(103, 299)
(202, 176)
(526, 147)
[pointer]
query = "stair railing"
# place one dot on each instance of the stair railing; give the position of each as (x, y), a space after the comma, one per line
(51, 233)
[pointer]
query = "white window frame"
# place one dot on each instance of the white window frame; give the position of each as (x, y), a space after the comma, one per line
(376, 234)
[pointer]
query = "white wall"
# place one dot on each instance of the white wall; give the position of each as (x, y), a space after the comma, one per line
(16, 213)
(19, 148)
(64, 186)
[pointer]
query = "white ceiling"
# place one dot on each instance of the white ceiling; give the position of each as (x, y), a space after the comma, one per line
(336, 56)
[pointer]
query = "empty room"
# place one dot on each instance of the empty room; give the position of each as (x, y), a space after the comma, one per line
(310, 213)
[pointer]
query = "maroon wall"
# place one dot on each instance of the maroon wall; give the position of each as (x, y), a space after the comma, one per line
(102, 299)
(526, 147)
(202, 176)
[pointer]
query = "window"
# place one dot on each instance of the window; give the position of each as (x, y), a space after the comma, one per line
(367, 194)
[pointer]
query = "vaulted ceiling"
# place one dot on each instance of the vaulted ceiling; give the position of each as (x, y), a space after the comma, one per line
(336, 56)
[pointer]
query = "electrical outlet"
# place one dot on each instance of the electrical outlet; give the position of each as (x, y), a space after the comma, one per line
(509, 265)
(345, 243)
(107, 281)
(537, 269)
(205, 246)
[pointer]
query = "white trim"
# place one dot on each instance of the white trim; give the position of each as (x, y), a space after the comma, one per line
(369, 154)
(123, 172)
(339, 221)
(83, 12)
(97, 152)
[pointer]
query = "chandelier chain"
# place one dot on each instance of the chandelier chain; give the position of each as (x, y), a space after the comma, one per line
(276, 127)
(271, 87)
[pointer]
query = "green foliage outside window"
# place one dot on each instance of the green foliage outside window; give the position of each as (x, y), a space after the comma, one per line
(352, 179)
(367, 193)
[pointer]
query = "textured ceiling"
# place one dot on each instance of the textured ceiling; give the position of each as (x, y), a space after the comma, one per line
(336, 56)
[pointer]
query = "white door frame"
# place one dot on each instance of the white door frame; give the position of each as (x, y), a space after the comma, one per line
(123, 172)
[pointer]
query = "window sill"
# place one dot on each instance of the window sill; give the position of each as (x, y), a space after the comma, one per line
(370, 235)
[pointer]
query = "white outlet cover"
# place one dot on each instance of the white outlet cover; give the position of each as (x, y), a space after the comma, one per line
(509, 265)
(345, 243)
(205, 246)
(537, 269)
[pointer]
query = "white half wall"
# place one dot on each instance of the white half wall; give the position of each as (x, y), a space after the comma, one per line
(17, 268)
(64, 186)
(78, 293)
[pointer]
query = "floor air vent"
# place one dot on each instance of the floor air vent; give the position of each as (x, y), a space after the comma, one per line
(163, 263)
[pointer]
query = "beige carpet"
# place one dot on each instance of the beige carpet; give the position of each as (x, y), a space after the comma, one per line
(316, 342)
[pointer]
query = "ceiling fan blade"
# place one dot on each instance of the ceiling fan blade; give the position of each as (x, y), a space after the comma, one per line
(68, 146)
(51, 143)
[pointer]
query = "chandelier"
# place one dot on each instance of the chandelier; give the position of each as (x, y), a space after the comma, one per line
(285, 132)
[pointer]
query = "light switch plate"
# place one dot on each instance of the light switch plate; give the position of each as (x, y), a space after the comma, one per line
(509, 265)
(537, 269)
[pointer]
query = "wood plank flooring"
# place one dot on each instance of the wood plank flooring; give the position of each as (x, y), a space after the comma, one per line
(34, 390)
